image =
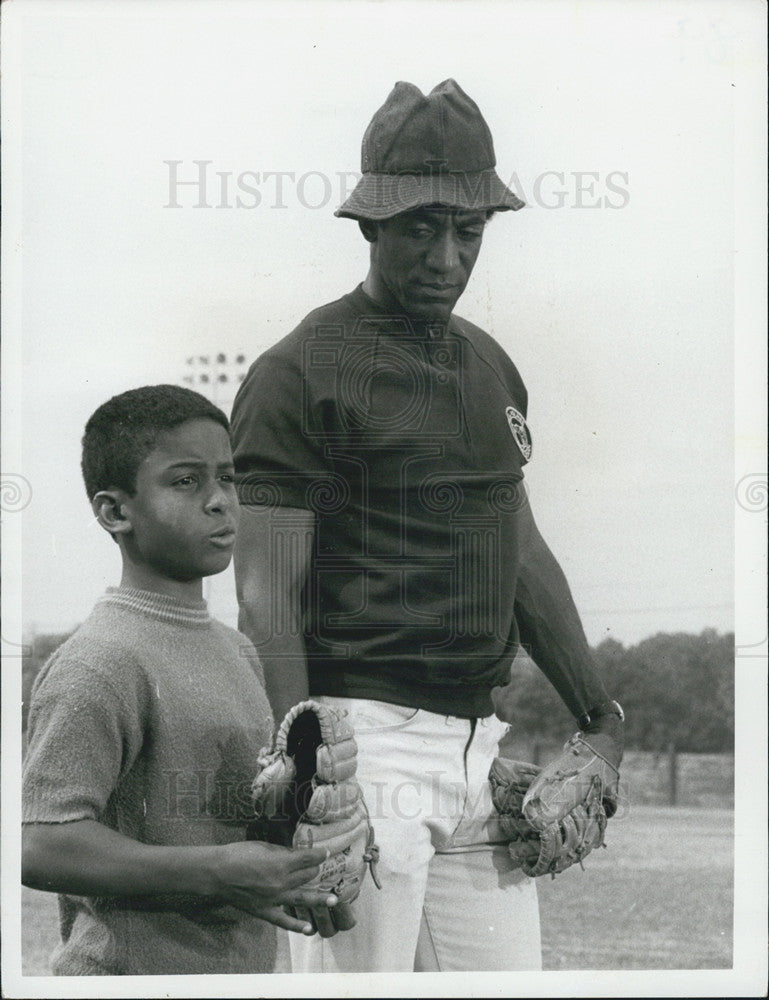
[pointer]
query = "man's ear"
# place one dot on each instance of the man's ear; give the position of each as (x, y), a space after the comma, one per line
(369, 229)
(110, 511)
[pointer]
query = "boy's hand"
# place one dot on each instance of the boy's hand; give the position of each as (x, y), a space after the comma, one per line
(85, 858)
(282, 918)
(260, 878)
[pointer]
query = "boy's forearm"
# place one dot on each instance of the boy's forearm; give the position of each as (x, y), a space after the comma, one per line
(86, 858)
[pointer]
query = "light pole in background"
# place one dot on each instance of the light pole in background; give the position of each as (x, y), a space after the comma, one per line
(217, 377)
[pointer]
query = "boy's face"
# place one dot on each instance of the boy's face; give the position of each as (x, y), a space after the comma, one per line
(184, 512)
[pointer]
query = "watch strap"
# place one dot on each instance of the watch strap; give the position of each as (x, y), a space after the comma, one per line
(604, 708)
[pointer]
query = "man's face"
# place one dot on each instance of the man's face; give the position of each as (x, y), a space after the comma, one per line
(424, 258)
(184, 512)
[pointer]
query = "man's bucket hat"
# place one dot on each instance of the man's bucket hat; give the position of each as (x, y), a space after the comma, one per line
(429, 150)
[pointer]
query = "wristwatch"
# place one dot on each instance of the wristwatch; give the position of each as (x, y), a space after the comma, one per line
(605, 708)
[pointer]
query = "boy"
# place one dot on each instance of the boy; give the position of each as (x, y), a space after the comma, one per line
(145, 725)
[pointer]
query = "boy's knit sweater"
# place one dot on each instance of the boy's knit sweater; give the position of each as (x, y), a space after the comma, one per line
(149, 719)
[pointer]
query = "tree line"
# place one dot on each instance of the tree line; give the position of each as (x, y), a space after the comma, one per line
(676, 689)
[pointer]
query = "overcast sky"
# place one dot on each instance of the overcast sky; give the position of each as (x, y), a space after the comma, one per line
(612, 291)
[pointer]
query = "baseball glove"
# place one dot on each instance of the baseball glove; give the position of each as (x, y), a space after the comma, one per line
(556, 815)
(305, 795)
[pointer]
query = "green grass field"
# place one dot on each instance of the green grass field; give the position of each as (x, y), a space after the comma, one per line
(660, 897)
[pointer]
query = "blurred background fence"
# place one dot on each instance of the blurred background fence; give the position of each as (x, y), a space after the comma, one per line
(667, 778)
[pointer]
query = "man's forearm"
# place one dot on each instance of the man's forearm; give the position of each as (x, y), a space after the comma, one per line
(550, 627)
(285, 672)
(272, 559)
(552, 633)
(281, 650)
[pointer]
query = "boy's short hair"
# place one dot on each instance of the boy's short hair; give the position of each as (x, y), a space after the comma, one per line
(123, 431)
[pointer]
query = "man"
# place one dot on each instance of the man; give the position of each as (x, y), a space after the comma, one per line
(388, 562)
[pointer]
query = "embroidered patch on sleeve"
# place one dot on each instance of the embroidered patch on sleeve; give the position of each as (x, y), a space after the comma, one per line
(520, 431)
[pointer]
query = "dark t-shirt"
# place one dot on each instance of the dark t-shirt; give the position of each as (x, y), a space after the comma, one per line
(408, 442)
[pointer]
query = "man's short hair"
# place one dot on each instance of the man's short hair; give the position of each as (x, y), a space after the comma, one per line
(123, 431)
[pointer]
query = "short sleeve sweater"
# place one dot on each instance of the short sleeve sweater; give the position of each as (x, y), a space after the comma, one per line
(149, 719)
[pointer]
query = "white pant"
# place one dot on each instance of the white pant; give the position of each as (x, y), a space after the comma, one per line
(449, 898)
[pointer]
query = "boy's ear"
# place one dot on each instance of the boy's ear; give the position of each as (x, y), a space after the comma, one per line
(110, 511)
